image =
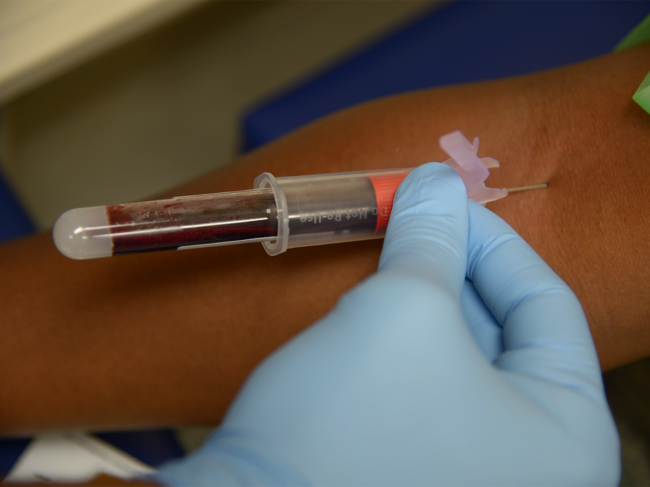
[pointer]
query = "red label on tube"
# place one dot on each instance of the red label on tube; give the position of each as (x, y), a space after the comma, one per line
(385, 188)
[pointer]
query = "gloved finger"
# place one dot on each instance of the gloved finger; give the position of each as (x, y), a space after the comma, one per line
(426, 236)
(545, 331)
(484, 328)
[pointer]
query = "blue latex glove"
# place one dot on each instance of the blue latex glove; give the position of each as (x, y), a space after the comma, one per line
(400, 384)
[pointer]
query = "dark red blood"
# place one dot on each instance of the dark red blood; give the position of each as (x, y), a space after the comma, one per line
(169, 224)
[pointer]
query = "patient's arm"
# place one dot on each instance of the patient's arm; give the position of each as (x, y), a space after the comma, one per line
(169, 337)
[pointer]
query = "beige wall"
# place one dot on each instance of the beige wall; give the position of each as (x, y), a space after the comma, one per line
(165, 107)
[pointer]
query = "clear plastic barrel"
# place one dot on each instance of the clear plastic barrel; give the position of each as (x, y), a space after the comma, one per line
(331, 208)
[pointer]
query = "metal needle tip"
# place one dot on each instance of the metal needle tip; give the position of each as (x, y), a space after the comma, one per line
(527, 188)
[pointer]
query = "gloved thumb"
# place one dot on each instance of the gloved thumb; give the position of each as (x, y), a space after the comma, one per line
(426, 236)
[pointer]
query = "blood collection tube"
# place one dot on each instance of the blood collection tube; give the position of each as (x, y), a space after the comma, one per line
(281, 213)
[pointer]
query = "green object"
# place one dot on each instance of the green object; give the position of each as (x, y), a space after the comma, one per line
(642, 95)
(639, 35)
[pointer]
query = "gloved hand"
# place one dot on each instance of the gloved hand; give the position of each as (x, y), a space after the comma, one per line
(400, 384)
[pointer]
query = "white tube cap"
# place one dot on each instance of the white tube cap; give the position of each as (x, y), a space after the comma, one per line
(83, 233)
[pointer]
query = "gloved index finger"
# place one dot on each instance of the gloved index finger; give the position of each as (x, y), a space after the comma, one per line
(545, 331)
(427, 232)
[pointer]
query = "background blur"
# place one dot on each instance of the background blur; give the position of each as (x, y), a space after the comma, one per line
(111, 101)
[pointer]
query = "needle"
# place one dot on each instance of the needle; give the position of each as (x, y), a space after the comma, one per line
(527, 188)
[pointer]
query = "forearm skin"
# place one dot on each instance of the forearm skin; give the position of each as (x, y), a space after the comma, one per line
(168, 338)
